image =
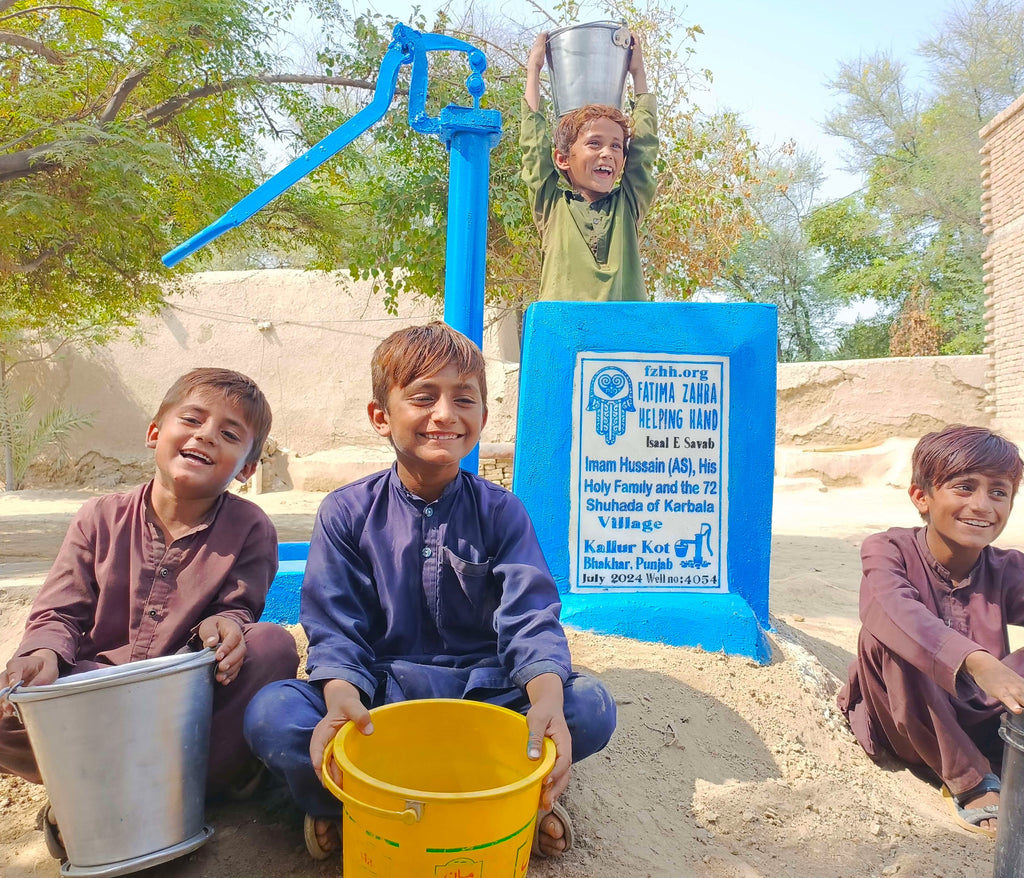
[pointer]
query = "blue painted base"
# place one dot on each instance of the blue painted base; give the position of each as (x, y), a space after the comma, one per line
(712, 622)
(282, 604)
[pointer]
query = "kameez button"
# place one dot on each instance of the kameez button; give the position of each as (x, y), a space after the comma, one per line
(429, 511)
(163, 572)
(426, 552)
(152, 613)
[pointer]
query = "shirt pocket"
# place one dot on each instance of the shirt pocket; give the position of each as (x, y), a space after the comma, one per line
(468, 598)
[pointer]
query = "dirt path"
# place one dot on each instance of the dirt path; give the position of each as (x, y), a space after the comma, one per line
(719, 767)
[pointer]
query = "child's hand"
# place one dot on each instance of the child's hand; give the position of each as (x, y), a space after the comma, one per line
(996, 679)
(226, 635)
(538, 53)
(38, 668)
(534, 64)
(343, 705)
(637, 69)
(545, 719)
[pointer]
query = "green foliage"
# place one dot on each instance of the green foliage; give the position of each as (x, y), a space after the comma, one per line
(125, 127)
(24, 437)
(914, 235)
(392, 189)
(776, 263)
(863, 340)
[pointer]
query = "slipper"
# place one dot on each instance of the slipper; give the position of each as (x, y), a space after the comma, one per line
(969, 818)
(51, 833)
(316, 850)
(567, 835)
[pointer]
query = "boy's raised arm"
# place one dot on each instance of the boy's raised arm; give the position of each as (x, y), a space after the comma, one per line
(637, 69)
(534, 65)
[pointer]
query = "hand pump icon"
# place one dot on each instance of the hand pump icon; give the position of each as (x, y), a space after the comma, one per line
(469, 133)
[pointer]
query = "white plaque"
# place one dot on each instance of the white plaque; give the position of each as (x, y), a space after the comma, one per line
(649, 455)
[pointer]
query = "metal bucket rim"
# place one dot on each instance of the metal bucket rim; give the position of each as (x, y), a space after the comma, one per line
(115, 675)
(612, 25)
(347, 767)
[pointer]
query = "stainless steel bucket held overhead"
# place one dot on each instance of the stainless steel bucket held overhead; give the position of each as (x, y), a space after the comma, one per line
(588, 64)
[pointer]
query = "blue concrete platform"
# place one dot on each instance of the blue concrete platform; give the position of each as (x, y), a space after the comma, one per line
(282, 604)
(560, 340)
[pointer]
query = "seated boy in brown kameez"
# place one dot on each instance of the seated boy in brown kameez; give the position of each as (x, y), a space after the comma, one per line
(934, 671)
(178, 562)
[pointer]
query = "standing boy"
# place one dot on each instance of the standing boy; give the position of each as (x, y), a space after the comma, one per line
(934, 671)
(588, 219)
(424, 581)
(176, 562)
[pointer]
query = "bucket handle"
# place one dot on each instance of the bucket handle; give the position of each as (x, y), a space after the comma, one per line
(413, 812)
(9, 691)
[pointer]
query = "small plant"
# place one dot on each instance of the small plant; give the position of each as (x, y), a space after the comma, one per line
(23, 439)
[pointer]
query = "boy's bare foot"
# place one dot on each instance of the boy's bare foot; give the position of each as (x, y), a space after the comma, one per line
(322, 836)
(554, 832)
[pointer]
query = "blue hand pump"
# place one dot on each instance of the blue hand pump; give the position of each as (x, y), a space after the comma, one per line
(469, 133)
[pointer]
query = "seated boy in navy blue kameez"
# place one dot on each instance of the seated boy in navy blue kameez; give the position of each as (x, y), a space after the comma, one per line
(424, 581)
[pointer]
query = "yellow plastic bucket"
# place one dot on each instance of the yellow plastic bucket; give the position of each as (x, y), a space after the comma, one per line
(441, 789)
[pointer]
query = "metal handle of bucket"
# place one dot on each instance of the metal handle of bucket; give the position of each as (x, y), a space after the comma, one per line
(10, 690)
(413, 812)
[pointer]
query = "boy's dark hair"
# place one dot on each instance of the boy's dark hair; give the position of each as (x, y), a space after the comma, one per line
(572, 123)
(958, 449)
(235, 387)
(421, 351)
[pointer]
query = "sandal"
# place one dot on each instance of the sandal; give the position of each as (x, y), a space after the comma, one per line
(47, 824)
(316, 850)
(969, 818)
(567, 834)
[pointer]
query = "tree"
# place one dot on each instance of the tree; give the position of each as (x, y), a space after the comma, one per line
(393, 188)
(913, 239)
(125, 127)
(776, 263)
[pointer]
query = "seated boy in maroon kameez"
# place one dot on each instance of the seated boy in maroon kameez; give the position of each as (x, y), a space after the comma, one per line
(934, 671)
(174, 563)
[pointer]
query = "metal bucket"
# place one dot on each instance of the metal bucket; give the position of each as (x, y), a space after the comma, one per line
(123, 754)
(1009, 858)
(588, 64)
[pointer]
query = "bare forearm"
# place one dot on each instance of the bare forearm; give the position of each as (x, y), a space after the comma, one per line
(534, 65)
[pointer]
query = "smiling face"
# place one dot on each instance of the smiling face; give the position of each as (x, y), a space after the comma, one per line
(596, 158)
(432, 423)
(201, 444)
(964, 514)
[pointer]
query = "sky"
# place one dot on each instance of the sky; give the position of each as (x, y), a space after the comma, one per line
(771, 59)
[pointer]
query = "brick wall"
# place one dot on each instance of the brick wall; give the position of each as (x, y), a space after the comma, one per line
(1002, 171)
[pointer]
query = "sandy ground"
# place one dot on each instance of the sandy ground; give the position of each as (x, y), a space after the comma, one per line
(719, 767)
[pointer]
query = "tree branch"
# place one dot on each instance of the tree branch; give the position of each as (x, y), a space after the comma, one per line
(158, 115)
(7, 4)
(34, 46)
(32, 160)
(26, 162)
(121, 94)
(9, 267)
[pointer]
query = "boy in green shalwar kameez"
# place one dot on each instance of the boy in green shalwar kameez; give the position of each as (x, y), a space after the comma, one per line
(588, 218)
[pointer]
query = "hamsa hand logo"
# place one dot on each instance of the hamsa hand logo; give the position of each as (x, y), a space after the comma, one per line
(611, 396)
